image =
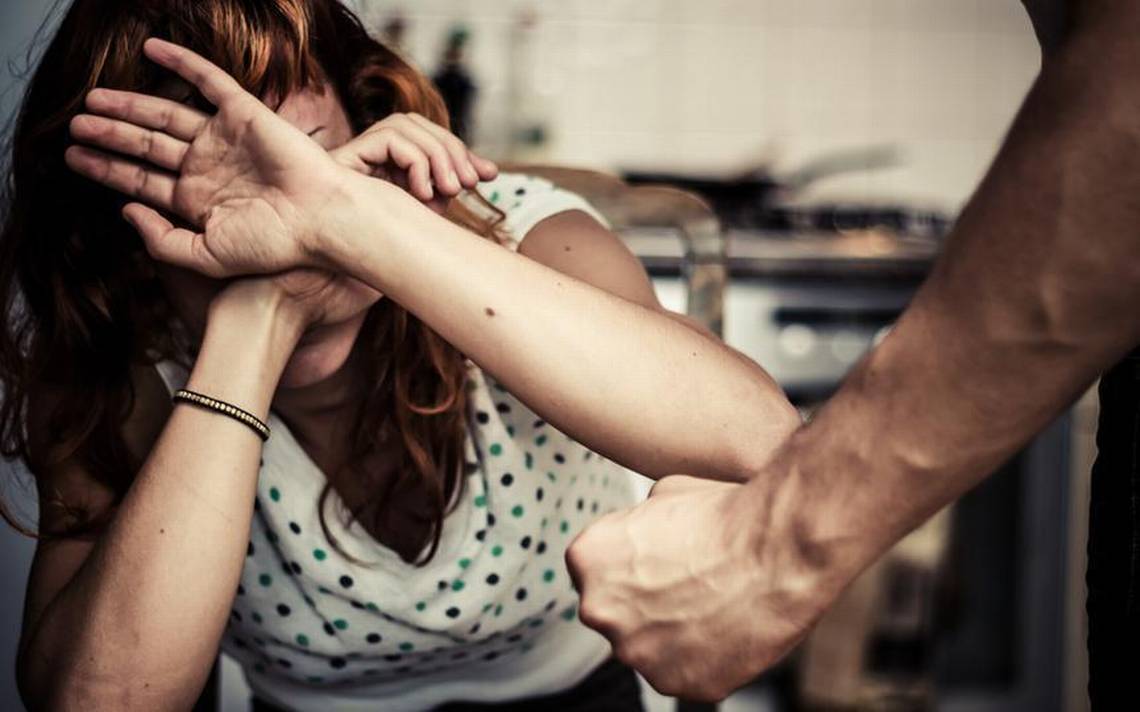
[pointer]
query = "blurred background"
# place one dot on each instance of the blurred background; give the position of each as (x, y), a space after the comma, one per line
(818, 152)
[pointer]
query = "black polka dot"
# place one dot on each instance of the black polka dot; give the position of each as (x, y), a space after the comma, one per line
(393, 658)
(541, 548)
(492, 579)
(481, 534)
(283, 609)
(503, 408)
(329, 629)
(520, 595)
(453, 612)
(525, 542)
(296, 567)
(514, 638)
(346, 581)
(588, 455)
(442, 585)
(594, 507)
(271, 536)
(581, 504)
(240, 644)
(550, 606)
(560, 458)
(357, 605)
(284, 663)
(539, 494)
(286, 568)
(507, 479)
(520, 191)
(373, 638)
(241, 590)
(491, 655)
(337, 663)
(295, 527)
(256, 504)
(249, 549)
(539, 423)
(490, 520)
(236, 616)
(310, 601)
(483, 417)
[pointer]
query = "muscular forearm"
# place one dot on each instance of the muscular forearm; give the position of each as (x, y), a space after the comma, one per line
(625, 380)
(138, 625)
(1036, 294)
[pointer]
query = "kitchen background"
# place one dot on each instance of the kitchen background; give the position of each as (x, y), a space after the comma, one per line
(828, 115)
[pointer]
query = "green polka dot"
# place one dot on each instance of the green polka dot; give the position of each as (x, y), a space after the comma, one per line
(545, 521)
(569, 614)
(256, 617)
(302, 640)
(551, 476)
(274, 494)
(496, 550)
(464, 563)
(529, 461)
(319, 555)
(340, 623)
(565, 527)
(511, 430)
(495, 197)
(407, 647)
(517, 510)
(548, 575)
(498, 610)
(372, 607)
(265, 580)
(488, 607)
(420, 606)
(457, 585)
(496, 449)
(540, 440)
(481, 500)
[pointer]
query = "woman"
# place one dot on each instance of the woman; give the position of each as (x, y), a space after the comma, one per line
(397, 541)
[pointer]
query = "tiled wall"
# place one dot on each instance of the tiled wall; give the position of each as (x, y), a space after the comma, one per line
(719, 85)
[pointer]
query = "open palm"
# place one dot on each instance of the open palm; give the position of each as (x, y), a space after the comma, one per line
(248, 183)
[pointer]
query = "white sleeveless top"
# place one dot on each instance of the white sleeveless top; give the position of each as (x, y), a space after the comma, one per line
(491, 618)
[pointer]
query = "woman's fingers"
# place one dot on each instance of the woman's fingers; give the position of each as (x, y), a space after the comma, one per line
(214, 84)
(455, 148)
(172, 245)
(180, 121)
(380, 147)
(128, 139)
(486, 169)
(148, 185)
(445, 173)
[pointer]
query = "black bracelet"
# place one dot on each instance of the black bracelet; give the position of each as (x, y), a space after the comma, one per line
(242, 416)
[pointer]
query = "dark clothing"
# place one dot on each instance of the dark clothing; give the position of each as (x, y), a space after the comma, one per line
(612, 687)
(1114, 542)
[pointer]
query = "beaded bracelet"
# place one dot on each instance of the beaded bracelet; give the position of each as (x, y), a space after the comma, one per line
(249, 419)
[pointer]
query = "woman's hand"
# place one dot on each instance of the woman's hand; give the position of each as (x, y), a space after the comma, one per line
(255, 189)
(421, 157)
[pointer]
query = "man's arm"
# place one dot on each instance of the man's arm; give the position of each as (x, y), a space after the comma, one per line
(1036, 294)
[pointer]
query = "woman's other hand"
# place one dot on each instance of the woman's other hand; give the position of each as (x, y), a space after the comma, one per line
(421, 157)
(254, 188)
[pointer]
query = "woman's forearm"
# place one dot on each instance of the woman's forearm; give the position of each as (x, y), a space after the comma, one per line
(138, 625)
(628, 381)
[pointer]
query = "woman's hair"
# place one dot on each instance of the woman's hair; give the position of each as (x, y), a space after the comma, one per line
(85, 308)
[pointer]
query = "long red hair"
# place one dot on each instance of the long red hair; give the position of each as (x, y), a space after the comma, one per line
(84, 305)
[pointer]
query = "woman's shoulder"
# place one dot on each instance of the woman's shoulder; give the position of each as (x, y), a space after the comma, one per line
(526, 200)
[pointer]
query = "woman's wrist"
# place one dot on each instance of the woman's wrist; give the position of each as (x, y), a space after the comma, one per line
(251, 332)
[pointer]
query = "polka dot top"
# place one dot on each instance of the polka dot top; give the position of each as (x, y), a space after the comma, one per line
(491, 618)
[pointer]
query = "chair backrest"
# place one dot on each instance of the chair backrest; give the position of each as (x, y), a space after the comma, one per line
(630, 207)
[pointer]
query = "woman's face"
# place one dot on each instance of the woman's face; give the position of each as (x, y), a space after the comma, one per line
(326, 345)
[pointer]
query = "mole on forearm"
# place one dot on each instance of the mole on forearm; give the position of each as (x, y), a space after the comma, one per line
(489, 311)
